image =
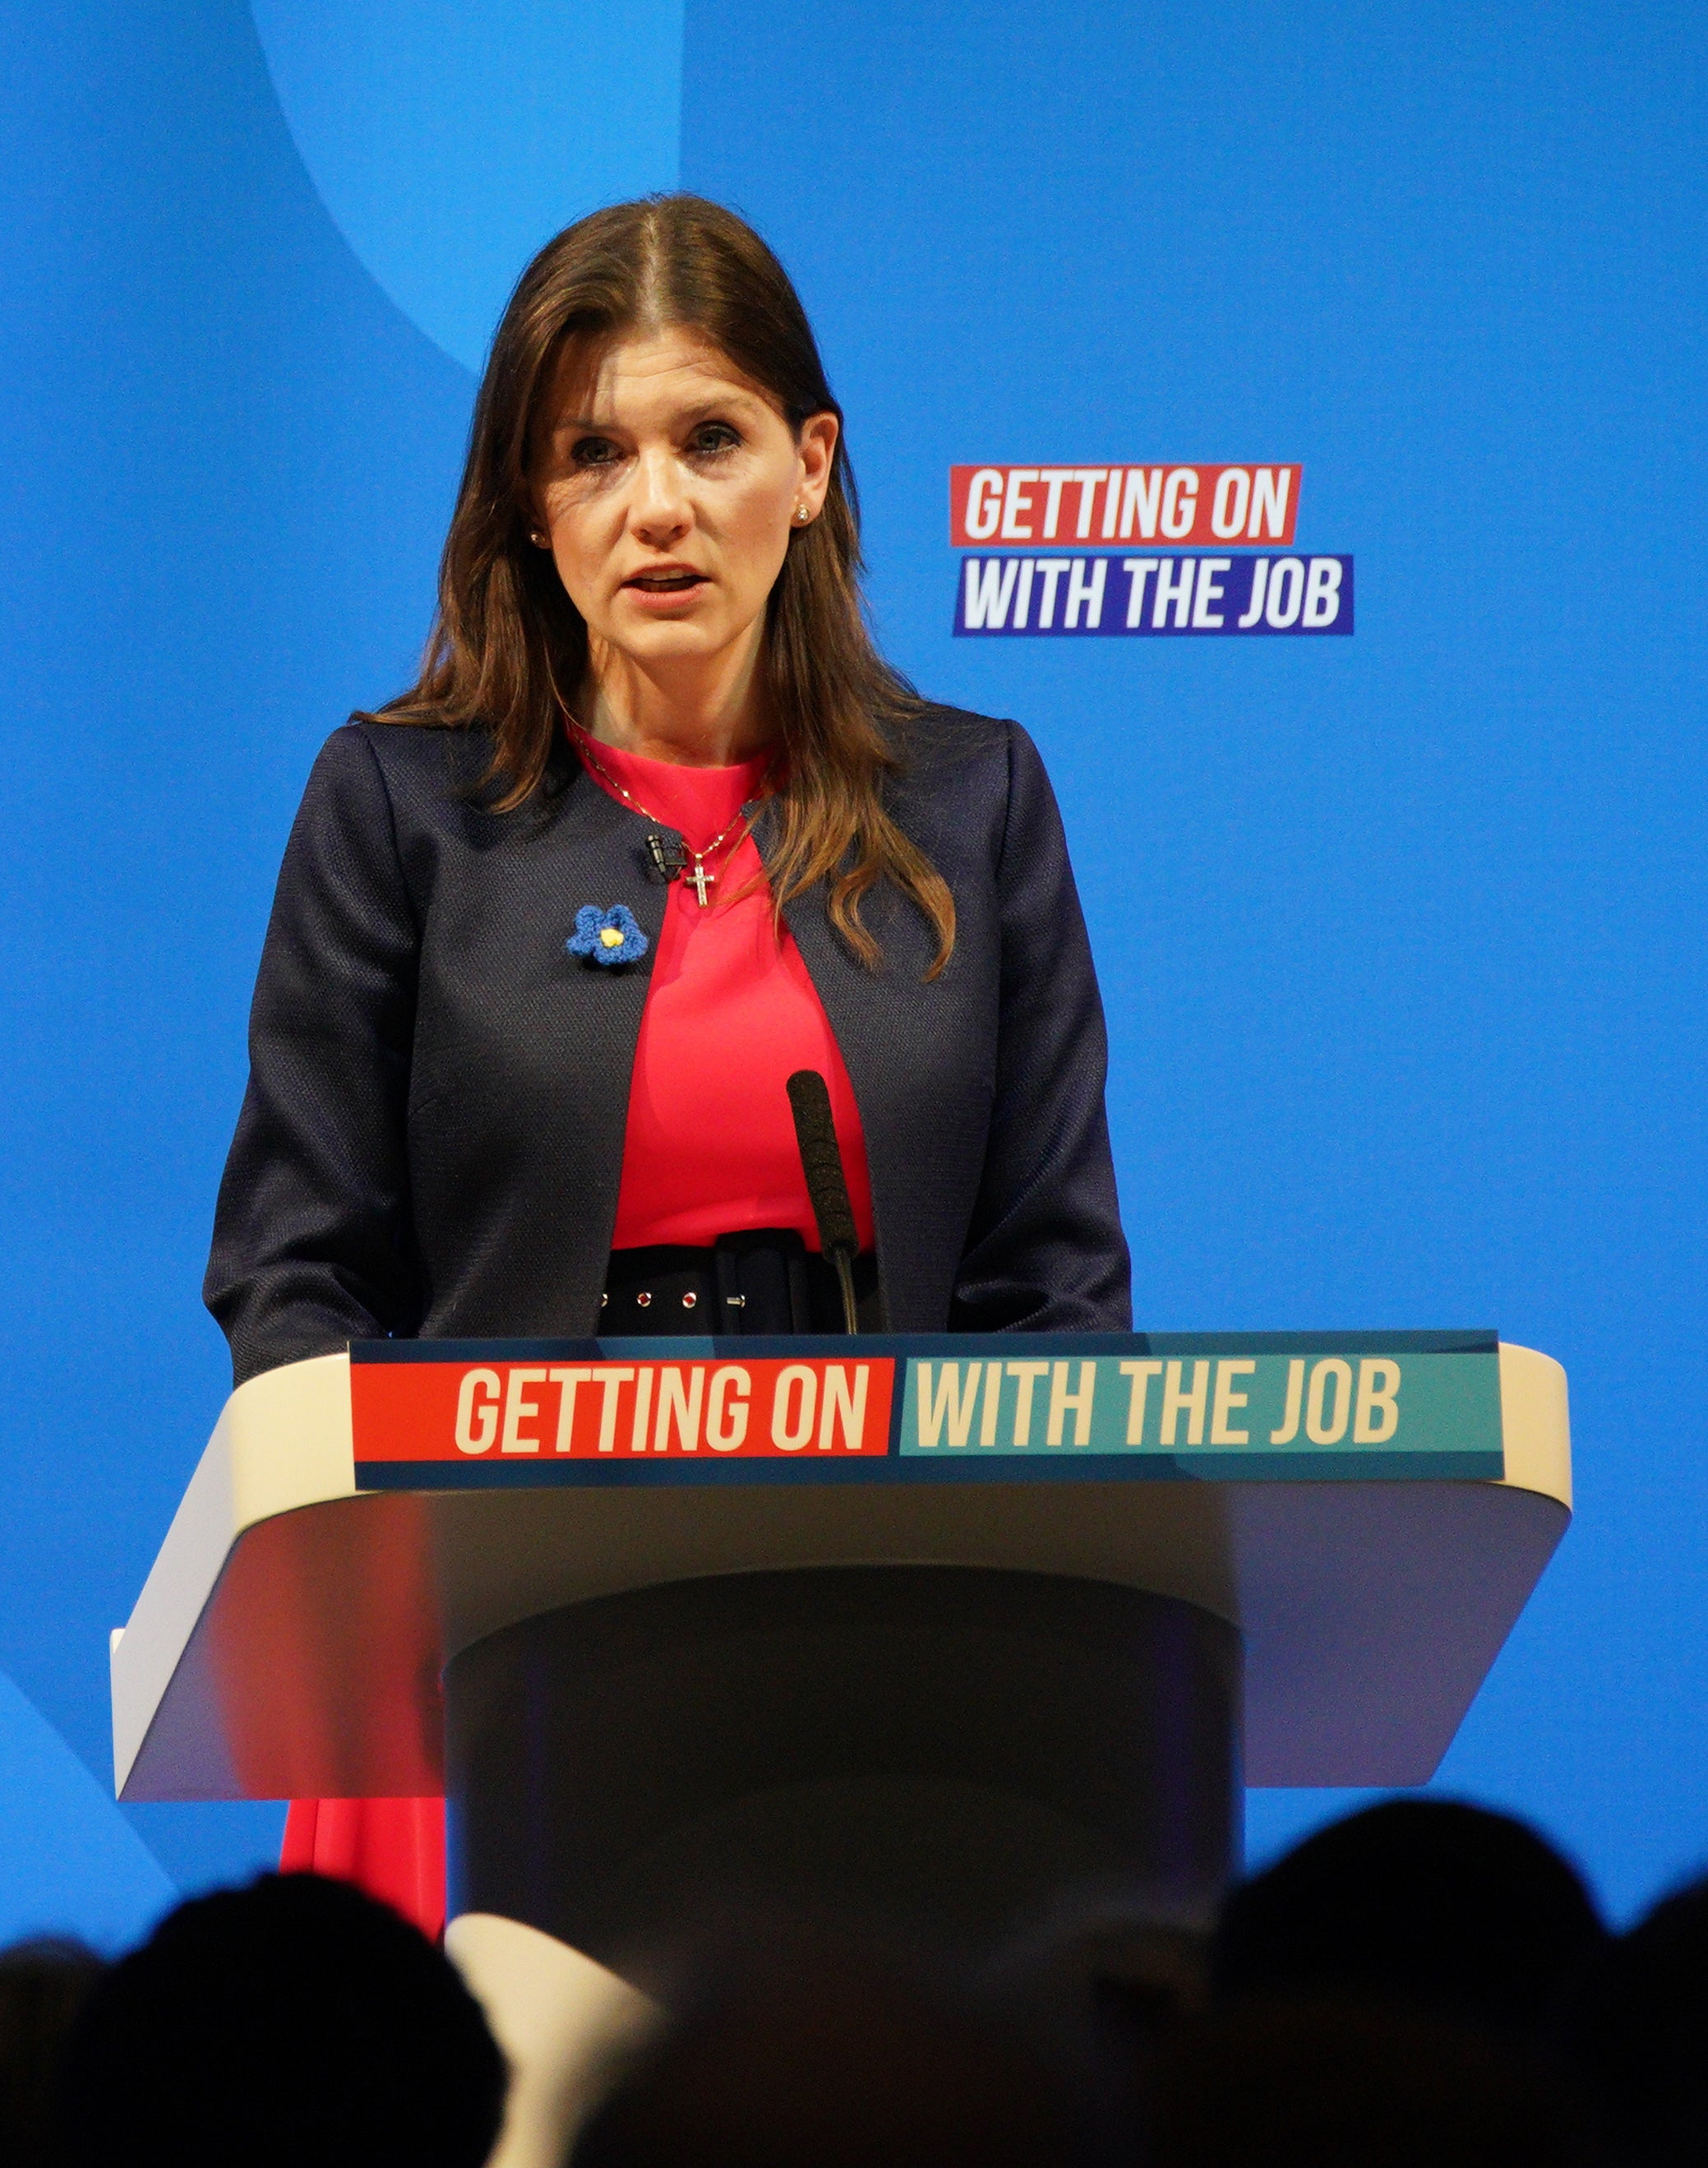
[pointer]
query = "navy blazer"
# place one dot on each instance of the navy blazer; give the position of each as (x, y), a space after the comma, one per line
(432, 1134)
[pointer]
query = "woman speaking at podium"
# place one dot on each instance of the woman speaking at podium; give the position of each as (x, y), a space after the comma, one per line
(655, 829)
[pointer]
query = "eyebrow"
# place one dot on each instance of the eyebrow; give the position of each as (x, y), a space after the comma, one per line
(701, 413)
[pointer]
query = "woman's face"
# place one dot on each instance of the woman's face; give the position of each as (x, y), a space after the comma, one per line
(668, 489)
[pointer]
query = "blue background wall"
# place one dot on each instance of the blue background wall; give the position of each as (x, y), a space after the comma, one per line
(1402, 936)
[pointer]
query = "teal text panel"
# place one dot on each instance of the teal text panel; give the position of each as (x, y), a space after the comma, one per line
(1316, 1415)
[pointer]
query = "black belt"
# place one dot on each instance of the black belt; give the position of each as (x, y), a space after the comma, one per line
(763, 1281)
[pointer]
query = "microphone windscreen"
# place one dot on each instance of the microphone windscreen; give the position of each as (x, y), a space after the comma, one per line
(821, 1161)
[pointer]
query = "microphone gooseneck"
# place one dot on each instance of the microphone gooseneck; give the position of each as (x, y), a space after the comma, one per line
(827, 1184)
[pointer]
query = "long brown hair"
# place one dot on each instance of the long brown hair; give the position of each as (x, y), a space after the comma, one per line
(508, 646)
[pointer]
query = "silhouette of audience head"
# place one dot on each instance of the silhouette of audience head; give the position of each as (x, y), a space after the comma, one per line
(840, 2061)
(1638, 2037)
(1423, 1903)
(1109, 1983)
(1304, 2085)
(43, 1988)
(295, 2023)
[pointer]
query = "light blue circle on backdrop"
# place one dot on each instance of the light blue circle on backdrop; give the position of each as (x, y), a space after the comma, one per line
(450, 139)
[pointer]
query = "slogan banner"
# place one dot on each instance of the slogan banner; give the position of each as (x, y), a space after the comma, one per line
(1154, 596)
(459, 1414)
(1177, 506)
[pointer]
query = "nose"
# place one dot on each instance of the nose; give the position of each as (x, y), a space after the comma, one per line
(659, 513)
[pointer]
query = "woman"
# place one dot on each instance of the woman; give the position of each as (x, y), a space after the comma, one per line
(650, 623)
(657, 828)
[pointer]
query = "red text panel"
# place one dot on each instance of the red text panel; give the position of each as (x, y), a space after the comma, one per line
(592, 1410)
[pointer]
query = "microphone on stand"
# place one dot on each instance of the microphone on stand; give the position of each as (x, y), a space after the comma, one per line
(827, 1185)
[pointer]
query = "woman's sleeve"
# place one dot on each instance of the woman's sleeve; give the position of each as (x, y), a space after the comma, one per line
(313, 1243)
(1046, 1252)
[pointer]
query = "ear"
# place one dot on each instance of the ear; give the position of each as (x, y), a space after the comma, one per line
(817, 446)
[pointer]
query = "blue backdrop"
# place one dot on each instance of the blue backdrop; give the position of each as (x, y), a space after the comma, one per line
(1401, 936)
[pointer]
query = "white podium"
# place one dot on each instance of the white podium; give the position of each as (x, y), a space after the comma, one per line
(976, 1625)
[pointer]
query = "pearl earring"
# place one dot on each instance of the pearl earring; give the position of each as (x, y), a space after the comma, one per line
(801, 513)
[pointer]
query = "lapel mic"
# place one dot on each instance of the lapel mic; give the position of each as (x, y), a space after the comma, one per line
(827, 1184)
(669, 859)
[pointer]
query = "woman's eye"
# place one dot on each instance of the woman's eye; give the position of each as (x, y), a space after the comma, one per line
(594, 452)
(715, 436)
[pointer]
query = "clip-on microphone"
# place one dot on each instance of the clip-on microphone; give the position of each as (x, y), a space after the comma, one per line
(668, 860)
(827, 1185)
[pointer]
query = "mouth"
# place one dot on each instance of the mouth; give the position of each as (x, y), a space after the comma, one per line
(679, 580)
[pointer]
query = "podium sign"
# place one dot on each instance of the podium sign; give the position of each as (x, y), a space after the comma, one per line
(1297, 1407)
(1369, 1511)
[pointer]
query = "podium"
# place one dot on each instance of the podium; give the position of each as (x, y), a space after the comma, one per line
(956, 1633)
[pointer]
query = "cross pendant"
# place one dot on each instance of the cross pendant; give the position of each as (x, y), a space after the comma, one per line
(700, 881)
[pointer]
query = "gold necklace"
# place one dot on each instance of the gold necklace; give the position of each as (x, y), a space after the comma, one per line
(669, 865)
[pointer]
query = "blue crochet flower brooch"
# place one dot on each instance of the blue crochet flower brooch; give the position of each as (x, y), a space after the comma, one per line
(606, 937)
